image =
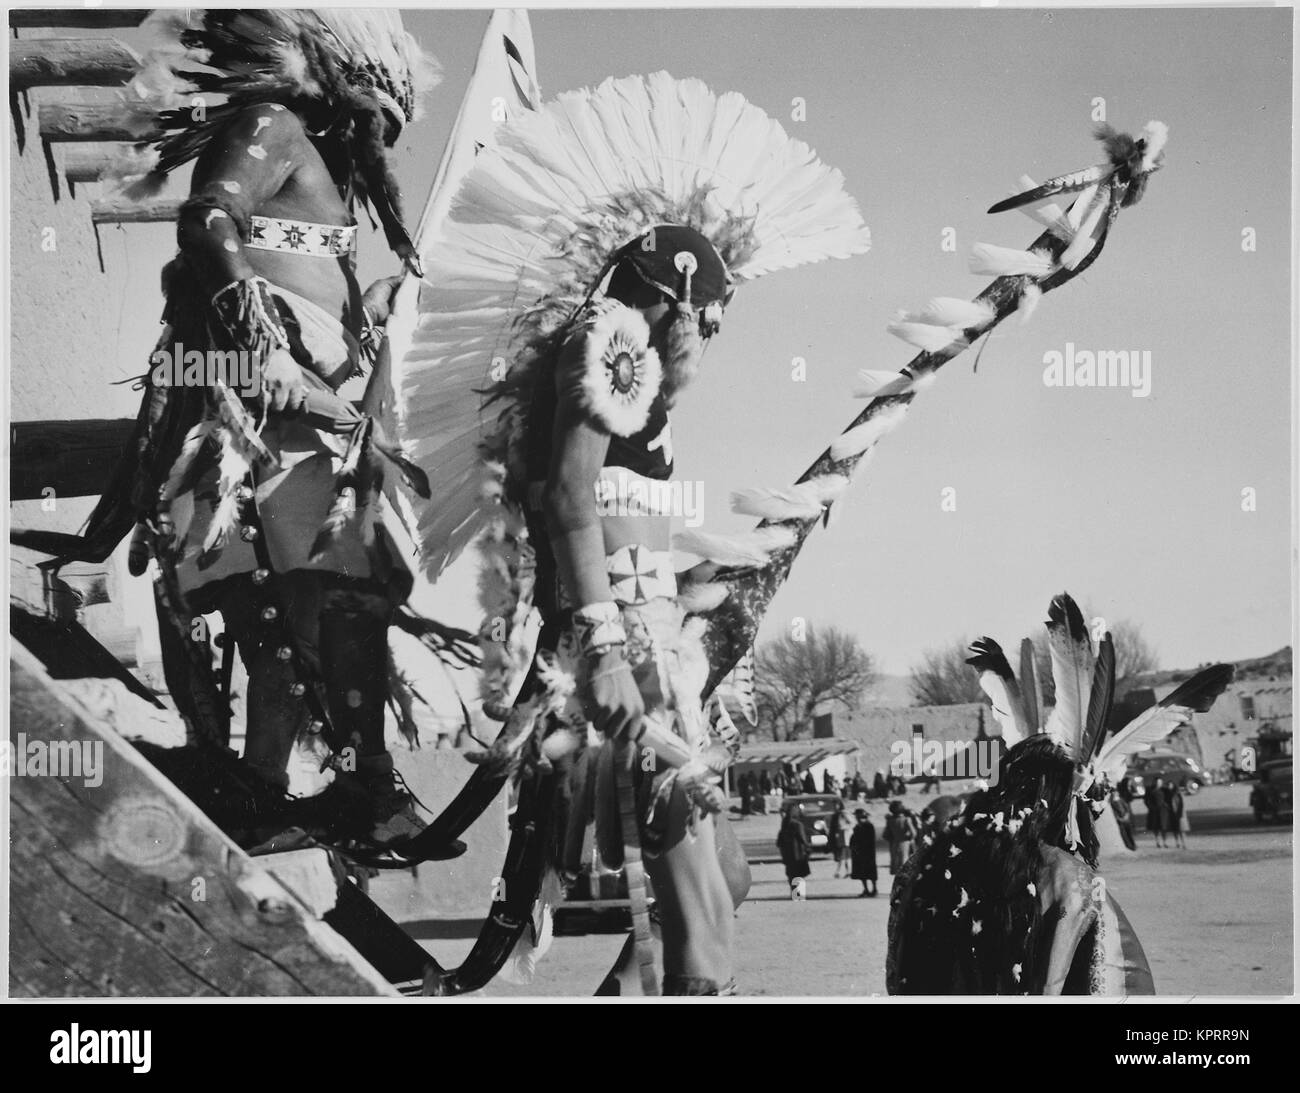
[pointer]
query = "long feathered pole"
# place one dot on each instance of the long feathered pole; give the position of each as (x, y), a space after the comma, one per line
(733, 624)
(740, 595)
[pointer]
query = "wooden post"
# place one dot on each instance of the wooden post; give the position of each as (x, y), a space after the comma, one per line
(70, 62)
(118, 210)
(87, 121)
(77, 17)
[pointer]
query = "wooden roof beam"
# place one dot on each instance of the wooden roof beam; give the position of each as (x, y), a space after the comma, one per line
(87, 121)
(27, 18)
(70, 62)
(120, 210)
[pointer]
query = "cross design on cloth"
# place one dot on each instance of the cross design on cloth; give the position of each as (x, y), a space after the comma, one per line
(626, 587)
(665, 441)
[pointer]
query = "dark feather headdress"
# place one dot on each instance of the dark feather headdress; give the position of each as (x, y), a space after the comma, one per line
(353, 72)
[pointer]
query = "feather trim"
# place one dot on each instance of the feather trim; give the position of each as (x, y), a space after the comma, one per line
(928, 337)
(879, 384)
(1051, 216)
(697, 599)
(1086, 237)
(994, 261)
(232, 471)
(1154, 136)
(744, 551)
(1028, 302)
(956, 312)
(861, 437)
(620, 371)
(804, 501)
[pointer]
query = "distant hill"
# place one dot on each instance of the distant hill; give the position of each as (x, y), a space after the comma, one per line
(1274, 666)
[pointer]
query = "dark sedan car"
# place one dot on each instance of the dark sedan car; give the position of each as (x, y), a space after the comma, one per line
(1182, 770)
(814, 811)
(1271, 796)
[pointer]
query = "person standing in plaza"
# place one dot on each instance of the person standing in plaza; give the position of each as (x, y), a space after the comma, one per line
(792, 842)
(862, 848)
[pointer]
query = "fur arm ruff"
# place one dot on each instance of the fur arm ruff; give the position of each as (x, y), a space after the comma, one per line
(609, 367)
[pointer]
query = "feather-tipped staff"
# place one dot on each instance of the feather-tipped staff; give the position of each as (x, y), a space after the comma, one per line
(739, 595)
(942, 330)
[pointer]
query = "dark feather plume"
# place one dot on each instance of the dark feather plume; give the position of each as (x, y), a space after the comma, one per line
(1100, 699)
(1199, 692)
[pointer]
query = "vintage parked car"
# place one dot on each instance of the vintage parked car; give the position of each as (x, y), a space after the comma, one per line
(1182, 770)
(813, 811)
(1270, 798)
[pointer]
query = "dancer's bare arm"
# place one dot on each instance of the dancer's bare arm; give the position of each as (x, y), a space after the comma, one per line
(613, 701)
(250, 162)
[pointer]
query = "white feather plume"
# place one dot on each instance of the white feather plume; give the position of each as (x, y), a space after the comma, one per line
(954, 311)
(535, 218)
(1050, 215)
(994, 261)
(749, 549)
(1156, 134)
(1086, 237)
(1028, 303)
(926, 336)
(696, 599)
(801, 502)
(1149, 727)
(861, 437)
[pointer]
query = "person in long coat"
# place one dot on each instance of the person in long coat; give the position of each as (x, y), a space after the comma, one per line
(1157, 807)
(1175, 813)
(792, 841)
(901, 830)
(862, 849)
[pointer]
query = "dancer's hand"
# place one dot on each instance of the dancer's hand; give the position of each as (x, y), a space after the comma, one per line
(378, 298)
(612, 701)
(282, 383)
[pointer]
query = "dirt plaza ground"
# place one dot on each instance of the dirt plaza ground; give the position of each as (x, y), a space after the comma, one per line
(1215, 919)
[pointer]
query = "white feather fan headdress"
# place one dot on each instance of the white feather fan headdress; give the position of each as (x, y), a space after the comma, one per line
(529, 235)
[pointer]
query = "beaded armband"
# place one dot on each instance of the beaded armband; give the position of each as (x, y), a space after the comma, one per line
(598, 627)
(247, 312)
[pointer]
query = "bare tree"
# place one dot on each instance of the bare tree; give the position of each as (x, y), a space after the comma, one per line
(943, 678)
(792, 677)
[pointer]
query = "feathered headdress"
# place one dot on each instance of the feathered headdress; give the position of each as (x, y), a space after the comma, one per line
(1085, 691)
(529, 239)
(356, 70)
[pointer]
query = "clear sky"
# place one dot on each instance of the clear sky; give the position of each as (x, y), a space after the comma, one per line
(1133, 504)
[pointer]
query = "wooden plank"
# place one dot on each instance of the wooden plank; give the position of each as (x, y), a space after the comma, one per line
(77, 17)
(70, 62)
(124, 889)
(85, 121)
(88, 162)
(118, 210)
(73, 458)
